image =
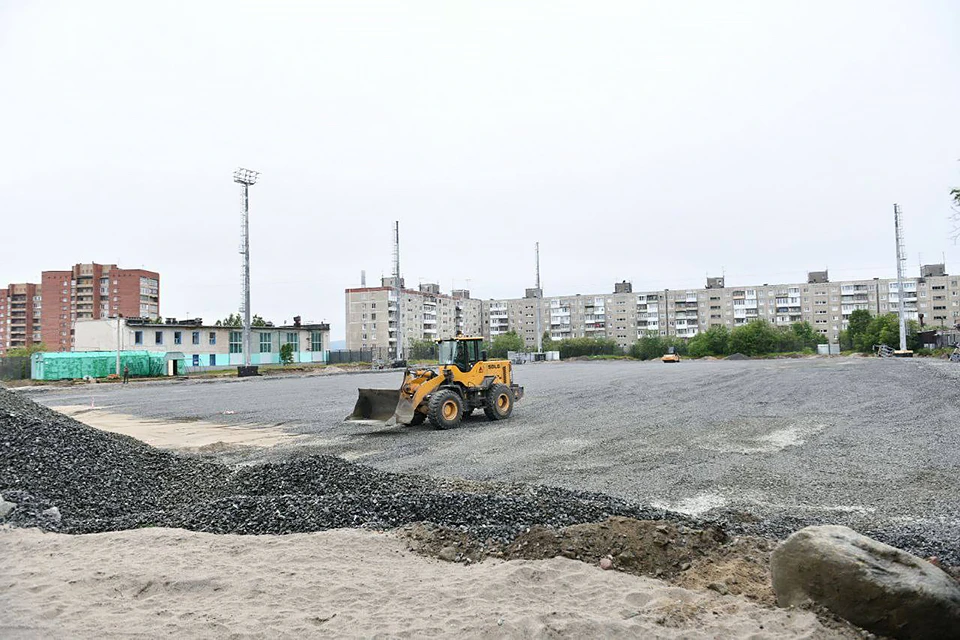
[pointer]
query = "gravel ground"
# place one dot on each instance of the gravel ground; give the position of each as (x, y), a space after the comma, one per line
(64, 476)
(766, 446)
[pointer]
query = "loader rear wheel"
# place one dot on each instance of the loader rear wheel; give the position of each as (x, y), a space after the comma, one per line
(446, 409)
(499, 402)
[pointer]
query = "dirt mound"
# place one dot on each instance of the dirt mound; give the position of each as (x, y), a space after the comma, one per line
(736, 356)
(689, 557)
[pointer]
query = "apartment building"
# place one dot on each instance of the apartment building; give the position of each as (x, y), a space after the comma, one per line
(425, 313)
(20, 314)
(932, 299)
(93, 291)
(200, 346)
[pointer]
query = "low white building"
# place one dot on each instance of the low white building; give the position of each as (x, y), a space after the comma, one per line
(205, 346)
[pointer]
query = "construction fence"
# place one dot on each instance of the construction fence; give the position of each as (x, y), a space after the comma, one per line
(347, 356)
(15, 368)
(96, 364)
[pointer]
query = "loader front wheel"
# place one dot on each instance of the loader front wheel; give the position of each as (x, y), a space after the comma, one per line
(446, 409)
(499, 402)
(418, 418)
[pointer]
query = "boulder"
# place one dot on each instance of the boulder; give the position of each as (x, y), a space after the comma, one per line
(875, 586)
(52, 514)
(6, 507)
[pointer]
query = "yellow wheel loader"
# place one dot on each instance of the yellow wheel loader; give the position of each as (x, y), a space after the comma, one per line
(464, 381)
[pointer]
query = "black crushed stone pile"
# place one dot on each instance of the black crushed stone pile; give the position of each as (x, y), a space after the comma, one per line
(99, 481)
(65, 476)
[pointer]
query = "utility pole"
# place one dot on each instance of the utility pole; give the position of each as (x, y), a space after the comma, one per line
(119, 322)
(246, 178)
(539, 305)
(397, 289)
(901, 260)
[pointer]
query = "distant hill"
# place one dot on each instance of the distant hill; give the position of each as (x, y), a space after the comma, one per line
(336, 345)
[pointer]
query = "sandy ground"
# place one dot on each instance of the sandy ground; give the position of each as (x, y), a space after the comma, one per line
(179, 434)
(341, 583)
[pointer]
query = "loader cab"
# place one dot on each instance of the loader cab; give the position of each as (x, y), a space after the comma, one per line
(462, 352)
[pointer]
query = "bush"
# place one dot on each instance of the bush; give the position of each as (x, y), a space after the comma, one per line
(286, 354)
(503, 343)
(578, 347)
(422, 350)
(713, 342)
(652, 347)
(865, 331)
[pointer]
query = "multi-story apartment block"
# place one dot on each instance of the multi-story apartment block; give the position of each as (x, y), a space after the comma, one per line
(20, 314)
(425, 314)
(94, 291)
(933, 299)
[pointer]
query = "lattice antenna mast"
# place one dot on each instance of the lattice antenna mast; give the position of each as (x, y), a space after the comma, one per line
(246, 178)
(397, 289)
(955, 217)
(901, 264)
(539, 304)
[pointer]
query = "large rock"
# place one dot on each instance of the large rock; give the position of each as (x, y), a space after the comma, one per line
(873, 585)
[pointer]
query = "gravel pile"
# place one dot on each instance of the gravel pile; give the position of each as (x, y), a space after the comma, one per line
(65, 476)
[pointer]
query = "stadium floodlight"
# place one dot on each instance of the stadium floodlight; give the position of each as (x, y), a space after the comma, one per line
(245, 176)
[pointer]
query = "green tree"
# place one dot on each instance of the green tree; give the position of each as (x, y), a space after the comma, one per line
(652, 346)
(547, 342)
(754, 338)
(578, 347)
(885, 329)
(857, 327)
(233, 320)
(422, 350)
(503, 343)
(26, 352)
(236, 320)
(286, 353)
(715, 341)
(805, 336)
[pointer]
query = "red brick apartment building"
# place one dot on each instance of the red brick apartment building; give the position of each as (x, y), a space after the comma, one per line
(93, 291)
(20, 313)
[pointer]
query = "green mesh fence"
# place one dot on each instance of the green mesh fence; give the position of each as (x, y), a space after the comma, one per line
(96, 364)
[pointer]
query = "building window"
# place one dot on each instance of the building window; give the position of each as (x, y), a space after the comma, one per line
(213, 337)
(236, 342)
(266, 343)
(293, 338)
(213, 360)
(177, 337)
(158, 337)
(196, 337)
(138, 337)
(316, 341)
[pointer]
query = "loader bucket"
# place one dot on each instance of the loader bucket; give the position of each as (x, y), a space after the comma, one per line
(375, 404)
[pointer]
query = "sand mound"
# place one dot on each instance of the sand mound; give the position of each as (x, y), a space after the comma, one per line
(353, 583)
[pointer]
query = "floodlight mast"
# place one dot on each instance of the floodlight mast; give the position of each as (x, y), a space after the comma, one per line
(245, 178)
(901, 261)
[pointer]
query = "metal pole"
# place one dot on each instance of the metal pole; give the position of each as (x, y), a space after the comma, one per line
(539, 305)
(398, 290)
(246, 275)
(118, 343)
(898, 227)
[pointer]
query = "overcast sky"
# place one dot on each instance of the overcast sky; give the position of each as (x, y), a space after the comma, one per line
(656, 142)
